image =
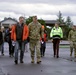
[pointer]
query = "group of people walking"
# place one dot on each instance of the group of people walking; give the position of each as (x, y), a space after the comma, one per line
(5, 36)
(20, 34)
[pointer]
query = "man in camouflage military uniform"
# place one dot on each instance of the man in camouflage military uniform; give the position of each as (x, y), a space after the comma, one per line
(35, 32)
(72, 40)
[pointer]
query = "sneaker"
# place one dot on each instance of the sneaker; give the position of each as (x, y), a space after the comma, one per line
(16, 62)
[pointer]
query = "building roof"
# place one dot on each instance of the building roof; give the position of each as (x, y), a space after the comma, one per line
(50, 21)
(9, 19)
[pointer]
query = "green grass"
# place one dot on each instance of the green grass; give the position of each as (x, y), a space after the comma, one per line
(64, 46)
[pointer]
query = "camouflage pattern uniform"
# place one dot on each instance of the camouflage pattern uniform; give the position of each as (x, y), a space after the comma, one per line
(72, 39)
(35, 32)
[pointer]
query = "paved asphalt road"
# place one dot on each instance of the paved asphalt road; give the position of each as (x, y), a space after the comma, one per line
(65, 65)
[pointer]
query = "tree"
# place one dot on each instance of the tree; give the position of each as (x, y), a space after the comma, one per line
(69, 23)
(64, 24)
(60, 18)
(42, 22)
(28, 20)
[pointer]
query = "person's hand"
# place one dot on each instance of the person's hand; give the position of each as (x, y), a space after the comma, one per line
(13, 43)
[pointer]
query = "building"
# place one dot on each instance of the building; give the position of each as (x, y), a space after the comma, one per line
(8, 21)
(50, 23)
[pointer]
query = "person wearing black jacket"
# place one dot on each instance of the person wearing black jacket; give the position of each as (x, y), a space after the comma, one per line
(8, 39)
(1, 40)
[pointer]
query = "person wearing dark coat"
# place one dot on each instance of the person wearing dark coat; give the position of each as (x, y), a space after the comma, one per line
(1, 40)
(8, 39)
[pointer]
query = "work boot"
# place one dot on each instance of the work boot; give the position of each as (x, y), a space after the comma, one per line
(32, 61)
(38, 61)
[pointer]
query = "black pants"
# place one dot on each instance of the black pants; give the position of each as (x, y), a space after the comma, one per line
(42, 49)
(12, 50)
(10, 47)
(56, 47)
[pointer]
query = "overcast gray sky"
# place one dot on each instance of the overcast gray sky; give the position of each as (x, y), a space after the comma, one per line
(45, 9)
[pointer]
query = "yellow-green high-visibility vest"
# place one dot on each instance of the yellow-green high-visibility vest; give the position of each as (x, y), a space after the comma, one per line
(56, 32)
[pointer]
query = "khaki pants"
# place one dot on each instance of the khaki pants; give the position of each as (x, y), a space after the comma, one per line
(71, 48)
(74, 44)
(35, 44)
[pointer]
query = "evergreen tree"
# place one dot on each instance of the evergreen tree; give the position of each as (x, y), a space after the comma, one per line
(69, 23)
(60, 18)
(28, 20)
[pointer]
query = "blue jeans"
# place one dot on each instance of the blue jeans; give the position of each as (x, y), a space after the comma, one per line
(19, 46)
(2, 50)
